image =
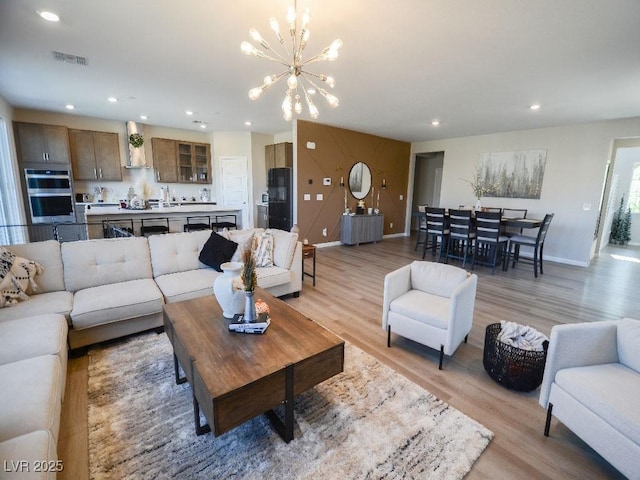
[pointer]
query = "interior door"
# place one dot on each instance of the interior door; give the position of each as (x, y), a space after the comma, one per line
(235, 186)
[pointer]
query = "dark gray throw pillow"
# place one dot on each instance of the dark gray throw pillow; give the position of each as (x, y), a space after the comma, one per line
(217, 250)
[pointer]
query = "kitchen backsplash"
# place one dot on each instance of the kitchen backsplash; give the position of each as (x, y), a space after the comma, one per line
(138, 178)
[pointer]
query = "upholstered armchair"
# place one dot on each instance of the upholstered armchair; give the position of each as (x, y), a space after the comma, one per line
(430, 303)
(592, 385)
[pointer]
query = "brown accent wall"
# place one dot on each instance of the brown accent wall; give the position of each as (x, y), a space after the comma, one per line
(336, 151)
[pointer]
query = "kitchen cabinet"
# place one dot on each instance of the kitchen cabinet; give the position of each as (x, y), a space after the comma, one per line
(37, 143)
(194, 162)
(95, 155)
(164, 160)
(181, 162)
(278, 155)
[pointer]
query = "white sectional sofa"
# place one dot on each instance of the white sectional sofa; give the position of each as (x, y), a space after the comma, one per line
(592, 384)
(91, 291)
(180, 275)
(108, 288)
(33, 368)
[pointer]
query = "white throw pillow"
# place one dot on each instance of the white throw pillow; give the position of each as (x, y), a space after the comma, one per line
(244, 239)
(264, 250)
(284, 247)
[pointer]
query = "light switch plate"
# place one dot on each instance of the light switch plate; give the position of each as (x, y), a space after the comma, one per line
(307, 196)
(319, 196)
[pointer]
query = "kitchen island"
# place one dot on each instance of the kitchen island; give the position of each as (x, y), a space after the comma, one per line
(98, 216)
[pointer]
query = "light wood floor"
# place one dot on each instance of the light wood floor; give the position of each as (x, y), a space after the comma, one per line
(347, 299)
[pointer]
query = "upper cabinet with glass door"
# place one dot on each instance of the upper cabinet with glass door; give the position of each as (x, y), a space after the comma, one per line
(194, 162)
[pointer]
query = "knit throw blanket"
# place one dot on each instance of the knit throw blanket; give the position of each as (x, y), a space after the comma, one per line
(521, 336)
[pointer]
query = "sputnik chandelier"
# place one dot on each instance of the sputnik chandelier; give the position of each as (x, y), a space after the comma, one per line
(300, 81)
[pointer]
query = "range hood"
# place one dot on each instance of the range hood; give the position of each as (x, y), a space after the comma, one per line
(136, 154)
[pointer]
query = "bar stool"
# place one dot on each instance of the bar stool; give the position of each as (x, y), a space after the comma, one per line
(191, 227)
(122, 227)
(219, 224)
(155, 227)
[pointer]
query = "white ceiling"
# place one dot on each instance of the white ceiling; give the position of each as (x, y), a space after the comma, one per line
(476, 65)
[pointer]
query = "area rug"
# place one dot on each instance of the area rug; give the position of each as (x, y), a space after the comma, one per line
(368, 422)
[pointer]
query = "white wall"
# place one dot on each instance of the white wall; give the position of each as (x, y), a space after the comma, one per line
(576, 161)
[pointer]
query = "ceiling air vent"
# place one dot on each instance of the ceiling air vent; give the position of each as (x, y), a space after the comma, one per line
(68, 58)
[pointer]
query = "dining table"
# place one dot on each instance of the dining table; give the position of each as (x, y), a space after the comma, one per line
(514, 222)
(518, 222)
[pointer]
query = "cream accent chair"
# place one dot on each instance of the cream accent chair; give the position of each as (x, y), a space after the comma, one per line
(430, 303)
(592, 385)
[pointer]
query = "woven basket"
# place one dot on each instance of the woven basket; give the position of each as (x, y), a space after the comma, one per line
(512, 367)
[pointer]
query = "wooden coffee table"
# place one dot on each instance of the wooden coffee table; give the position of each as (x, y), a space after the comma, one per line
(235, 377)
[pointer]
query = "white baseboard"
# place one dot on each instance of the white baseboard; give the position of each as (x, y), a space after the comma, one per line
(328, 244)
(565, 261)
(395, 235)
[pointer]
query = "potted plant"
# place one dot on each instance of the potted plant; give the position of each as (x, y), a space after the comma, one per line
(480, 185)
(621, 225)
(249, 281)
(136, 140)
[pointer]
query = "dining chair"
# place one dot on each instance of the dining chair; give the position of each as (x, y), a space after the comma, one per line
(461, 235)
(537, 243)
(422, 226)
(489, 242)
(513, 213)
(492, 209)
(437, 231)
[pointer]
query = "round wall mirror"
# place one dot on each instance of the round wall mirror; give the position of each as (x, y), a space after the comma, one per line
(360, 180)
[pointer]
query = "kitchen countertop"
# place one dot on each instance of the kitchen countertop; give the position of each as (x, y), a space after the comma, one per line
(191, 207)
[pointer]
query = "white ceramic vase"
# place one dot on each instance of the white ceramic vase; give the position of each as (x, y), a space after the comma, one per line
(231, 301)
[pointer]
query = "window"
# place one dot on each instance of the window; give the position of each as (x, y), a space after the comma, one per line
(9, 192)
(634, 191)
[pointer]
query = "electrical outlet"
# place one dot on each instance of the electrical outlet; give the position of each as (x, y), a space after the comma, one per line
(391, 225)
(324, 232)
(401, 197)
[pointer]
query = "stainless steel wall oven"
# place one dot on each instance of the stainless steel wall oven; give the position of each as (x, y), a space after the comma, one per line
(50, 195)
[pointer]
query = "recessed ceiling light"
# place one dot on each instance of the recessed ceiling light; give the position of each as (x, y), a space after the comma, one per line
(189, 112)
(203, 125)
(143, 117)
(248, 124)
(69, 107)
(535, 106)
(435, 123)
(49, 16)
(112, 99)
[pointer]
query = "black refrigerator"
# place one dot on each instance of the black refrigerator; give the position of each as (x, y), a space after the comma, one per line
(280, 186)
